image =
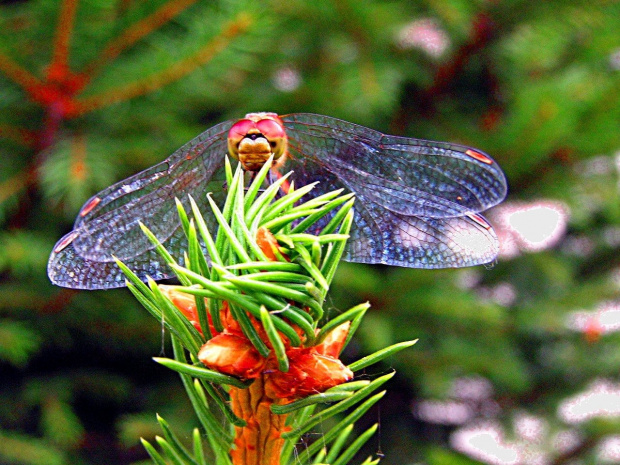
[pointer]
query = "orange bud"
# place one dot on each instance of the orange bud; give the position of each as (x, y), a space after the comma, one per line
(267, 243)
(233, 355)
(228, 322)
(334, 342)
(313, 369)
(184, 302)
(309, 373)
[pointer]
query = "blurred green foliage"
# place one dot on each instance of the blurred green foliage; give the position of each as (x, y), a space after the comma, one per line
(92, 91)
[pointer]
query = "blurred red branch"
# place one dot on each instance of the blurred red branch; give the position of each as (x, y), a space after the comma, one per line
(78, 168)
(23, 180)
(423, 101)
(16, 134)
(579, 451)
(57, 94)
(17, 74)
(482, 31)
(13, 185)
(58, 302)
(57, 91)
(175, 72)
(60, 55)
(136, 32)
(562, 156)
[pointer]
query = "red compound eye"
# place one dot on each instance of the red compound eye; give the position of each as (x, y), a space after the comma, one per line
(271, 129)
(241, 128)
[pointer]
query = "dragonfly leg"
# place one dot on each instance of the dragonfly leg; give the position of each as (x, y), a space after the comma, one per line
(274, 175)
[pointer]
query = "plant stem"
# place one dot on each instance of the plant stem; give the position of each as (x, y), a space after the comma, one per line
(260, 441)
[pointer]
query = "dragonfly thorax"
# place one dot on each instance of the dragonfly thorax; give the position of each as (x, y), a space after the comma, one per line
(255, 138)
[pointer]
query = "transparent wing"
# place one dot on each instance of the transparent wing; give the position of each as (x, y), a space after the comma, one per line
(108, 224)
(381, 236)
(411, 177)
(67, 268)
(416, 201)
(419, 242)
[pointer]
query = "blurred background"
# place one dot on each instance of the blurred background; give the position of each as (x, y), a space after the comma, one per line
(518, 363)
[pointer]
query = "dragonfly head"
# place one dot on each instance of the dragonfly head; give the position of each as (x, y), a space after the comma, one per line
(255, 138)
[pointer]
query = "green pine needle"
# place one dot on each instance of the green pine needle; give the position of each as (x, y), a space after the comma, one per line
(334, 434)
(339, 443)
(348, 454)
(174, 443)
(321, 398)
(339, 407)
(172, 456)
(380, 355)
(281, 295)
(200, 372)
(155, 456)
(198, 450)
(356, 312)
(276, 342)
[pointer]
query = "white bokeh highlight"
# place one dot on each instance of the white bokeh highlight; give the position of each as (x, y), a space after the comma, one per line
(529, 226)
(424, 34)
(601, 399)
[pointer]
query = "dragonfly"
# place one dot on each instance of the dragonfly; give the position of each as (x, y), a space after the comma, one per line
(417, 205)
